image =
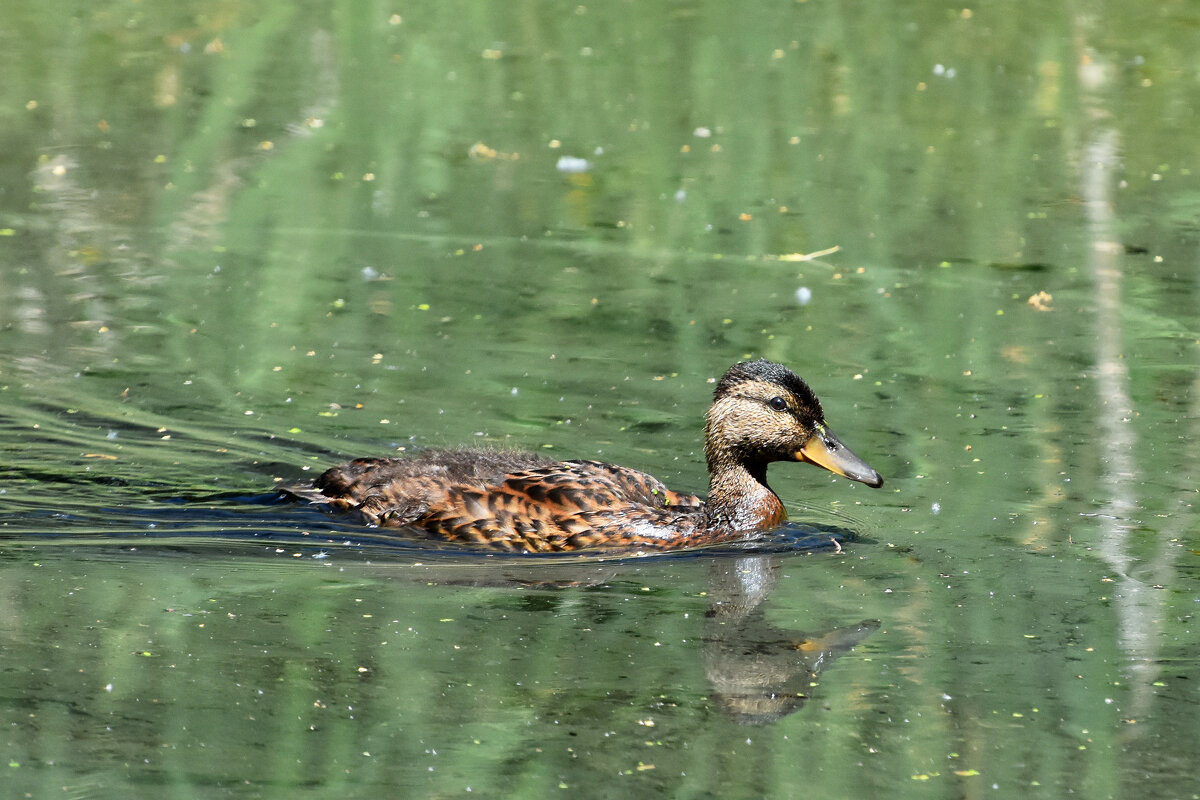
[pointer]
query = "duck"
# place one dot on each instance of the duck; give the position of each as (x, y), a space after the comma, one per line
(518, 502)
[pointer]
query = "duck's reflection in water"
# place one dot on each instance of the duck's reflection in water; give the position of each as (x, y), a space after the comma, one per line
(758, 672)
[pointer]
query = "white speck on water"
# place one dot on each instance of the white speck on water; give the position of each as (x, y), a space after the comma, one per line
(111, 435)
(804, 295)
(514, 391)
(572, 165)
(936, 508)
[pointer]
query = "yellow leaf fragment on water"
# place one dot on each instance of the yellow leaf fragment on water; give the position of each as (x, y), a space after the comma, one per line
(966, 773)
(808, 256)
(479, 150)
(1041, 301)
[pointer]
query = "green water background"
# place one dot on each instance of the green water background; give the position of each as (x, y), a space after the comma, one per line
(240, 242)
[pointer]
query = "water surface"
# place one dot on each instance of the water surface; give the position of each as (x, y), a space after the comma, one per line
(238, 244)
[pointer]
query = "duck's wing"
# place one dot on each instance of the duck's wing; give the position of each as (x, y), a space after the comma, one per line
(510, 501)
(638, 487)
(562, 506)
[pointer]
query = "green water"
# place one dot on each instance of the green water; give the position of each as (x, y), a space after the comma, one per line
(241, 242)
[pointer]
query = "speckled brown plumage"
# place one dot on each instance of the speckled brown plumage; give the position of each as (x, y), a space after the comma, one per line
(761, 412)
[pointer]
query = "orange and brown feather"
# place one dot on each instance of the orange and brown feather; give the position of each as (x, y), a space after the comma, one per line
(467, 496)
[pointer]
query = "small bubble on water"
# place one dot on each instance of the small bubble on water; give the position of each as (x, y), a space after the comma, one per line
(572, 165)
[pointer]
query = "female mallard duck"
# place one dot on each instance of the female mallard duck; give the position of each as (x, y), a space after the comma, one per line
(761, 412)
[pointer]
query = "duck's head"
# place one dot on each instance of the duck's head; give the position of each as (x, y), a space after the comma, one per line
(763, 412)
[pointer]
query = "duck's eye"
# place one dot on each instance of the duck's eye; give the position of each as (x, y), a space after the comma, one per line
(778, 403)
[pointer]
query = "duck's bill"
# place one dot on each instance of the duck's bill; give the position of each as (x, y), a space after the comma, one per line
(826, 450)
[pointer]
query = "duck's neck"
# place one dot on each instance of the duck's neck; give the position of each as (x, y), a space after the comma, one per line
(739, 498)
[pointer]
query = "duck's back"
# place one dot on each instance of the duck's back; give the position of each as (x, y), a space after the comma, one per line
(511, 500)
(361, 477)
